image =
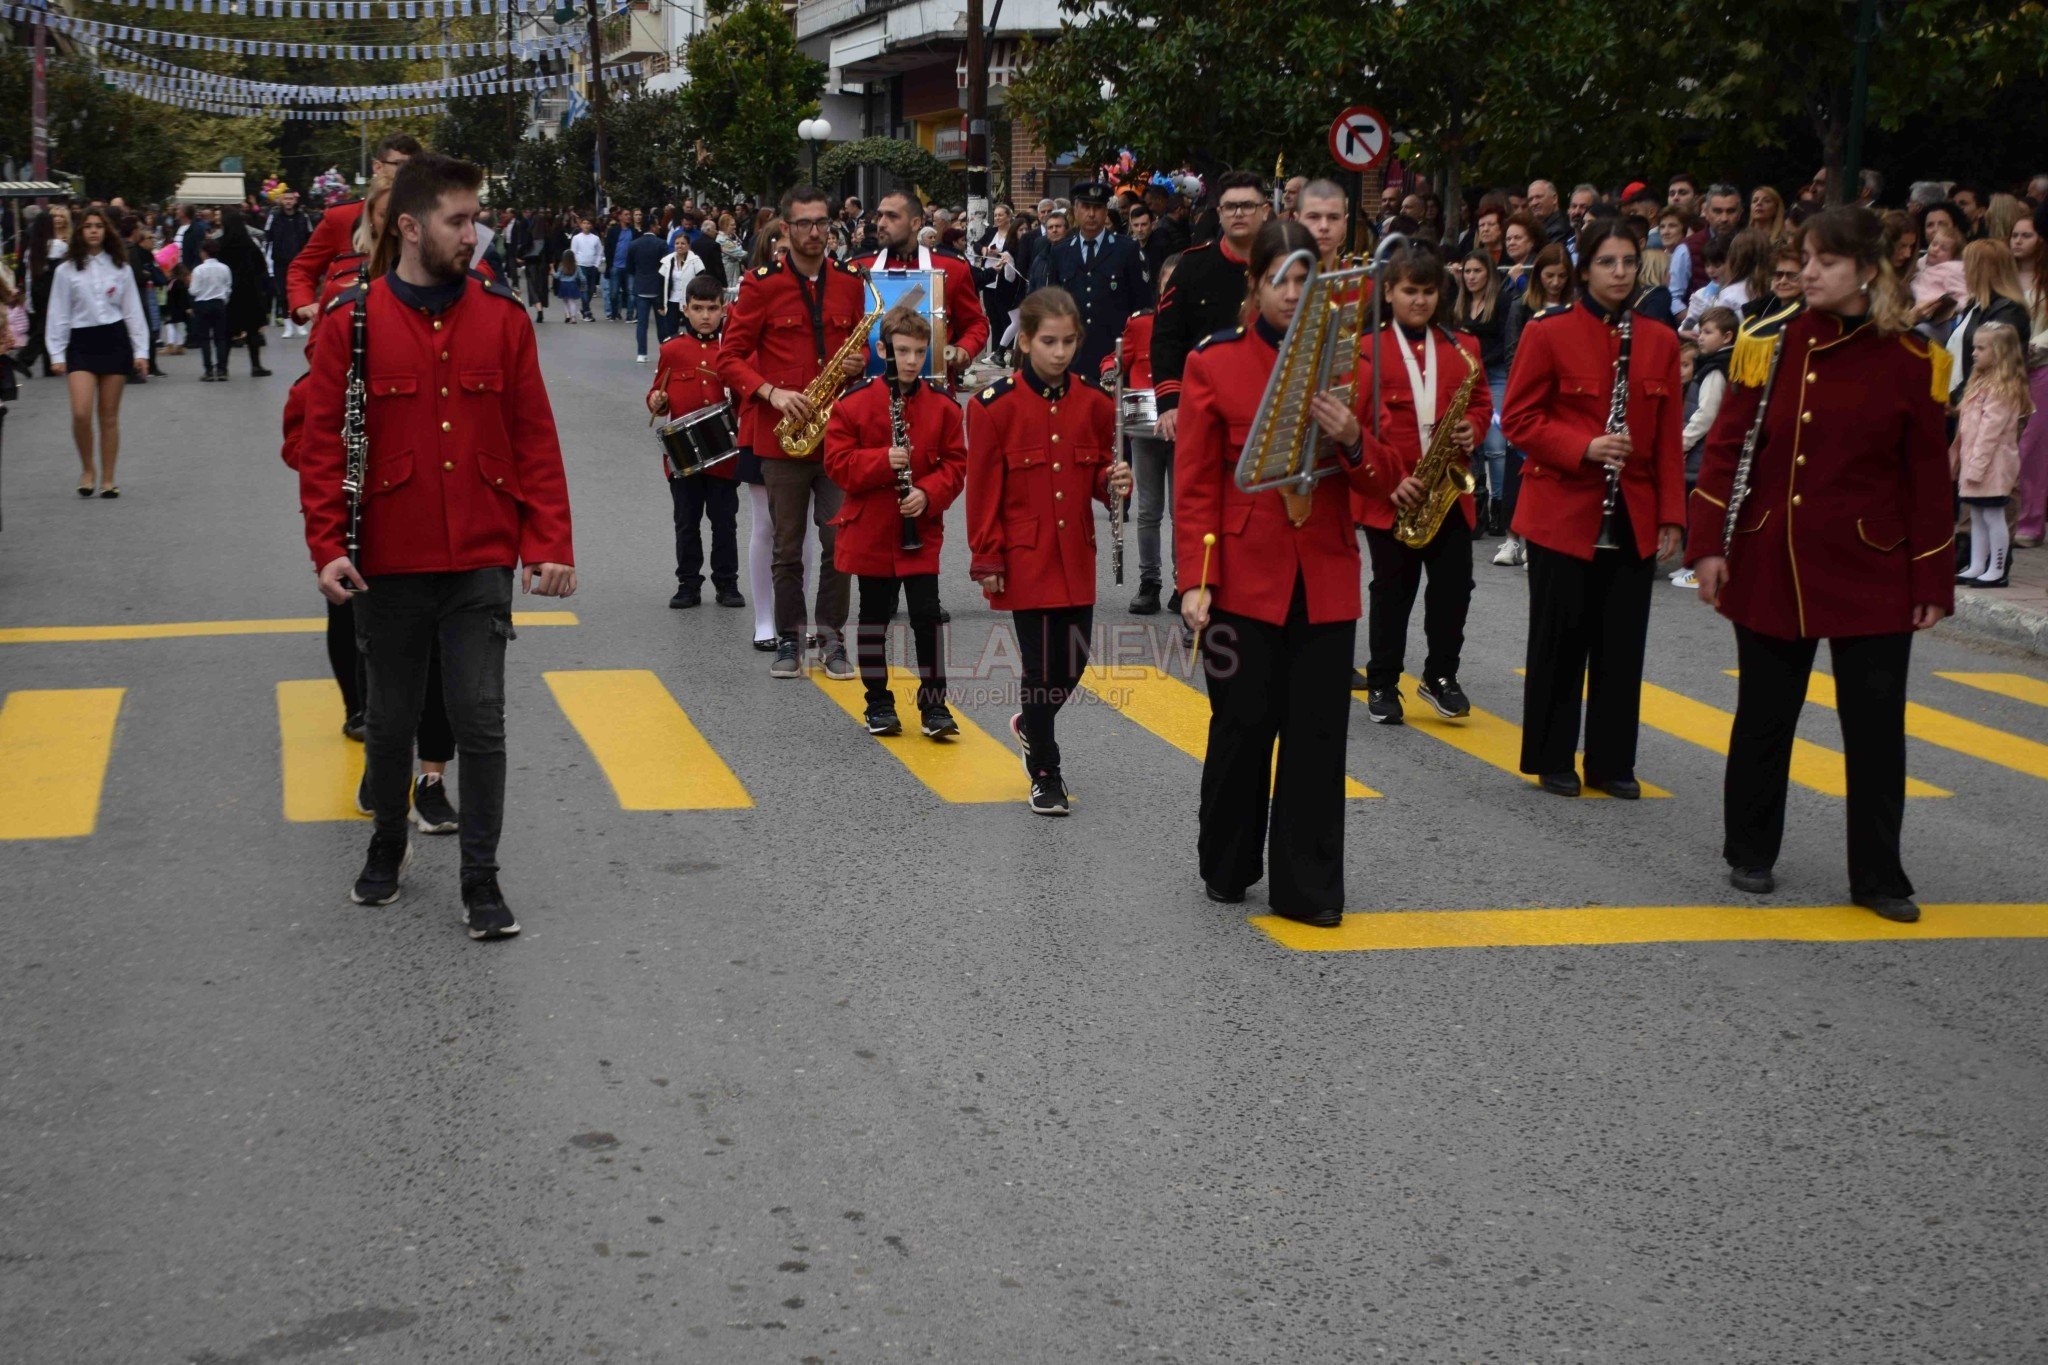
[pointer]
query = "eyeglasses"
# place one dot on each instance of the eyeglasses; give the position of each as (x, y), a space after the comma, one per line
(1615, 262)
(809, 224)
(1784, 274)
(390, 163)
(1241, 208)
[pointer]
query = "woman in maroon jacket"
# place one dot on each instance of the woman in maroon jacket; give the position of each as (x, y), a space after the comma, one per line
(1844, 534)
(1278, 607)
(890, 487)
(1589, 608)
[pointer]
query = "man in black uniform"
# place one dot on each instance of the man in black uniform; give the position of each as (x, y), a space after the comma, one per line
(1104, 273)
(1208, 289)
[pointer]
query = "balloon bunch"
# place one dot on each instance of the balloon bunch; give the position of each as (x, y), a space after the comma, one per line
(329, 187)
(274, 190)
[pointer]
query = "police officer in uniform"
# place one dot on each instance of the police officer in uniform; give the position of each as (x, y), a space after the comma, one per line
(1104, 271)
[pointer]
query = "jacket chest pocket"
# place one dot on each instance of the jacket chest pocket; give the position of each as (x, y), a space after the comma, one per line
(787, 322)
(393, 385)
(1023, 460)
(482, 381)
(1583, 389)
(1655, 390)
(498, 472)
(1091, 455)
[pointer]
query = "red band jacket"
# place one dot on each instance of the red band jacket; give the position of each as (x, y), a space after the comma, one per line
(1258, 553)
(333, 236)
(687, 370)
(1848, 523)
(1398, 449)
(771, 337)
(344, 273)
(1559, 392)
(465, 470)
(857, 442)
(1038, 457)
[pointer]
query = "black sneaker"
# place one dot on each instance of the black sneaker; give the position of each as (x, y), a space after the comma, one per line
(730, 597)
(1359, 682)
(883, 720)
(1383, 704)
(687, 597)
(431, 809)
(1023, 744)
(1146, 603)
(352, 726)
(377, 883)
(1048, 794)
(939, 723)
(1446, 696)
(484, 912)
(789, 659)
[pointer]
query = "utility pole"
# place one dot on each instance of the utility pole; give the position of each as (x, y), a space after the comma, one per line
(597, 97)
(39, 105)
(977, 125)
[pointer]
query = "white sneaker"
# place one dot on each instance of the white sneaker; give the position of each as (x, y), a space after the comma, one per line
(1685, 578)
(640, 359)
(1510, 552)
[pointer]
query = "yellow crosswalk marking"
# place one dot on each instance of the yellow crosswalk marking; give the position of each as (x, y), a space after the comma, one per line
(971, 768)
(1484, 736)
(651, 753)
(1954, 733)
(1408, 929)
(1814, 766)
(322, 767)
(181, 630)
(2015, 685)
(1170, 709)
(54, 748)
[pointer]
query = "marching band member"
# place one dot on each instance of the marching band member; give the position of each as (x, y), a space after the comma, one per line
(1278, 602)
(1038, 450)
(1589, 605)
(1208, 289)
(893, 486)
(1150, 458)
(1415, 395)
(790, 319)
(686, 379)
(332, 235)
(1844, 534)
(464, 483)
(898, 220)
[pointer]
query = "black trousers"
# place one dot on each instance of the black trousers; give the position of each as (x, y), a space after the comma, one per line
(210, 330)
(1396, 575)
(1870, 686)
(434, 739)
(1053, 646)
(871, 637)
(1290, 683)
(398, 623)
(694, 497)
(1588, 621)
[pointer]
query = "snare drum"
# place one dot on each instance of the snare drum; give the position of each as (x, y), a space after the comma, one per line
(1141, 412)
(698, 440)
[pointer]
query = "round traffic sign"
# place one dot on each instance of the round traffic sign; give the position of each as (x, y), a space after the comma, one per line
(1359, 139)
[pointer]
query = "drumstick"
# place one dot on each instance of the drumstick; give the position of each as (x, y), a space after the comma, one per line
(1195, 645)
(660, 382)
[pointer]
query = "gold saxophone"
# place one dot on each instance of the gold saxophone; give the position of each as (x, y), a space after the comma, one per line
(800, 439)
(1445, 473)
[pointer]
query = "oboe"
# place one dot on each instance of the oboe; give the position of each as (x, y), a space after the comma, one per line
(1116, 501)
(1617, 423)
(355, 432)
(899, 436)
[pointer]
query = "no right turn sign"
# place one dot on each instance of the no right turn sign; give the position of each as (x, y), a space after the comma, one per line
(1359, 139)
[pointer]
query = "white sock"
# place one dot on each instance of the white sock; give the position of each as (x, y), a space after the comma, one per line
(1980, 544)
(1997, 542)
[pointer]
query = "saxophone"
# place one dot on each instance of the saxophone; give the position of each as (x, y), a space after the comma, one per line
(1444, 472)
(800, 439)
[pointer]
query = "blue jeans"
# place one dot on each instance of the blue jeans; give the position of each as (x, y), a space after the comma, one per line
(593, 280)
(648, 305)
(618, 293)
(1490, 467)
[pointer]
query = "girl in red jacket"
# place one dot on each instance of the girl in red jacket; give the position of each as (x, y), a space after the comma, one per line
(1038, 452)
(898, 486)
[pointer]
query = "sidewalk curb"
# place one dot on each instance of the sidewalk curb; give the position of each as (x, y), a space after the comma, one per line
(1986, 615)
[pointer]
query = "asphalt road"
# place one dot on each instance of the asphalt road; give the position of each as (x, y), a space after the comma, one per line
(856, 1073)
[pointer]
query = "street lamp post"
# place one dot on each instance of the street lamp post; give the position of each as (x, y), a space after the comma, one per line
(814, 131)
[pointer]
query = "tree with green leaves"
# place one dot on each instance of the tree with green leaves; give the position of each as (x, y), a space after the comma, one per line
(749, 87)
(907, 161)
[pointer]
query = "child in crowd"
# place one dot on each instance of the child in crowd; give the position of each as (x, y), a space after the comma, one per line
(898, 486)
(569, 286)
(1985, 456)
(685, 381)
(1703, 368)
(177, 309)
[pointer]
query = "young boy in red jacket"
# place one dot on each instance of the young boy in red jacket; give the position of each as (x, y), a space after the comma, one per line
(896, 447)
(685, 380)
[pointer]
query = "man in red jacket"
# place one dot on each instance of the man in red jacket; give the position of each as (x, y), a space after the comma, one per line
(898, 220)
(789, 321)
(335, 234)
(463, 482)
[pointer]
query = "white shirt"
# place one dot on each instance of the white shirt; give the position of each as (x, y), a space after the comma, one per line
(101, 293)
(211, 279)
(483, 243)
(588, 249)
(677, 290)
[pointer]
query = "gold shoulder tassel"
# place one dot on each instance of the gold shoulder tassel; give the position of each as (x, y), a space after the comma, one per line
(1943, 366)
(1750, 363)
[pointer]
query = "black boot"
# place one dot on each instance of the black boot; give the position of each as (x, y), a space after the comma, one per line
(1482, 508)
(1146, 603)
(256, 369)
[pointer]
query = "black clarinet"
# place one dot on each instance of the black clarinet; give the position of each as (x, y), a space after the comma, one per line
(355, 430)
(1617, 422)
(899, 435)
